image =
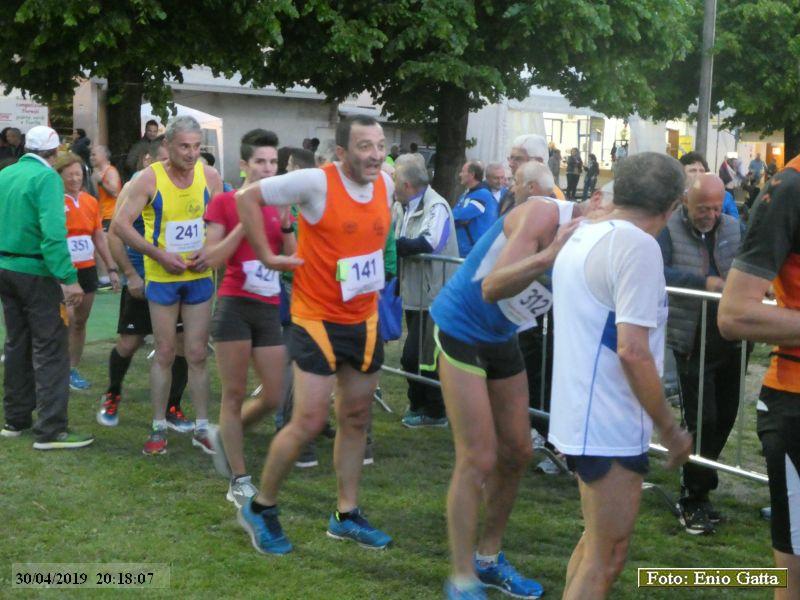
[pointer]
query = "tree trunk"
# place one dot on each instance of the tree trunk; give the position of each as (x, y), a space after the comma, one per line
(125, 88)
(452, 114)
(791, 141)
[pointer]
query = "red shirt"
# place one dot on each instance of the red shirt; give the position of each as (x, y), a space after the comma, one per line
(222, 210)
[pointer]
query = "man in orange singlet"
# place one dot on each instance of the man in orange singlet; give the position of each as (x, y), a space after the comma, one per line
(343, 226)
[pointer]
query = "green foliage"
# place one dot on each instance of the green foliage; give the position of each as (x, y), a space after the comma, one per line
(607, 55)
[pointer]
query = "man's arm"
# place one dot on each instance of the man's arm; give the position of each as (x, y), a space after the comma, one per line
(111, 182)
(523, 259)
(680, 278)
(219, 246)
(119, 253)
(122, 225)
(53, 225)
(472, 209)
(639, 366)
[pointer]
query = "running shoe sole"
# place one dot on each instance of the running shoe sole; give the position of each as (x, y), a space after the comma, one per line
(75, 388)
(507, 593)
(694, 531)
(202, 447)
(348, 539)
(105, 423)
(8, 433)
(243, 522)
(180, 428)
(444, 425)
(306, 464)
(62, 445)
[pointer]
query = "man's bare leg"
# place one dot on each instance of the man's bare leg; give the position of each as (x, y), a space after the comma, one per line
(470, 414)
(354, 392)
(312, 396)
(164, 319)
(609, 507)
(509, 405)
(196, 321)
(792, 563)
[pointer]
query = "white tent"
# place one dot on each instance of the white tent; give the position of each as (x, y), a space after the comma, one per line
(212, 129)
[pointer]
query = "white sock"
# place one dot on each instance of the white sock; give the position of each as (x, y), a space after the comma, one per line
(159, 424)
(201, 424)
(464, 582)
(487, 559)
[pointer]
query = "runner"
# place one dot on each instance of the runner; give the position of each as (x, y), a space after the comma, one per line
(484, 385)
(134, 324)
(84, 235)
(610, 306)
(171, 198)
(770, 257)
(343, 226)
(108, 184)
(246, 323)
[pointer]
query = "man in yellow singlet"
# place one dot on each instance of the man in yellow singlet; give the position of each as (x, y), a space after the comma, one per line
(171, 197)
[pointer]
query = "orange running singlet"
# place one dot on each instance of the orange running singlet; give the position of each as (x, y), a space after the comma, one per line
(344, 248)
(83, 219)
(107, 202)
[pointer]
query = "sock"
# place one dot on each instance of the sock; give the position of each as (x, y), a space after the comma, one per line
(180, 376)
(159, 424)
(463, 582)
(487, 559)
(236, 478)
(343, 516)
(259, 508)
(201, 423)
(117, 368)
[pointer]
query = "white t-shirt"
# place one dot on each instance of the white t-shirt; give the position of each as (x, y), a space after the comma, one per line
(607, 273)
(308, 188)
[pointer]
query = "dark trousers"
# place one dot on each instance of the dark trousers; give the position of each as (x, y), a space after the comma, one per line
(534, 343)
(572, 185)
(720, 405)
(422, 398)
(36, 375)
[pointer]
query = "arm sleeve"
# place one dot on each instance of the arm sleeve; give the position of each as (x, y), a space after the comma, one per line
(306, 188)
(772, 231)
(637, 278)
(215, 212)
(472, 209)
(411, 246)
(390, 254)
(729, 206)
(53, 224)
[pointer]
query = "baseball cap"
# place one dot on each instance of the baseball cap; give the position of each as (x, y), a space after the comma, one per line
(41, 138)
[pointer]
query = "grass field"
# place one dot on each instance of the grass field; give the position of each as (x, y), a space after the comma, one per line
(109, 503)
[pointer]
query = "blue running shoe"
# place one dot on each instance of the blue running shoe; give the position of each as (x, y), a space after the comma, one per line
(264, 529)
(504, 577)
(76, 382)
(475, 592)
(358, 529)
(417, 420)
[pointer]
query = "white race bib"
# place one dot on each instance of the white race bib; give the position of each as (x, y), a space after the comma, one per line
(532, 302)
(260, 279)
(185, 236)
(81, 248)
(360, 274)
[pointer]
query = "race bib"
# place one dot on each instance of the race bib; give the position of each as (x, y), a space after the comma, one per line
(259, 279)
(185, 236)
(360, 274)
(81, 248)
(532, 302)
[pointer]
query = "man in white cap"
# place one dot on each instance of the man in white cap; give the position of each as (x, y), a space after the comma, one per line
(37, 279)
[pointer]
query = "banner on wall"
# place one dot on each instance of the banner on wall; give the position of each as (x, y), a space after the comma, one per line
(24, 113)
(685, 144)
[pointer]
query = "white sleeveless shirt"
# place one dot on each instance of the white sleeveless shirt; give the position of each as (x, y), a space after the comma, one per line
(594, 412)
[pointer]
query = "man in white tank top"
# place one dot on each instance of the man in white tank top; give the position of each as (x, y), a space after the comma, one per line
(610, 307)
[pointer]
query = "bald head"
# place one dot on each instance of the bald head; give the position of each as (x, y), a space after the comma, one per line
(704, 201)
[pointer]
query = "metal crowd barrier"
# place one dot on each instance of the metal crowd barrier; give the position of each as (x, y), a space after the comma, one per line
(703, 296)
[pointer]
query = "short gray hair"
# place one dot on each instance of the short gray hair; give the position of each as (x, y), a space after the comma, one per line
(538, 173)
(649, 181)
(411, 168)
(494, 166)
(534, 145)
(182, 124)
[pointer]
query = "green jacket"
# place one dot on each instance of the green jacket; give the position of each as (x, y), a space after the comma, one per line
(33, 221)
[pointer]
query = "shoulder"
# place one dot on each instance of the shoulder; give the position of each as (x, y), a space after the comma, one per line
(87, 197)
(211, 174)
(636, 240)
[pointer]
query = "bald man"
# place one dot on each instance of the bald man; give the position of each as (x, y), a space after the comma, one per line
(699, 244)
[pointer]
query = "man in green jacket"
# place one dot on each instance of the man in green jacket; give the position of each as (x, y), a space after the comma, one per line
(37, 280)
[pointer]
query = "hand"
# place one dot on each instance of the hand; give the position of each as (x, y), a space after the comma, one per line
(73, 294)
(286, 217)
(172, 263)
(115, 284)
(280, 262)
(678, 443)
(197, 262)
(136, 286)
(714, 284)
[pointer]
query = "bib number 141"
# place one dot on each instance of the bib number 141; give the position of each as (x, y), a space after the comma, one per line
(360, 274)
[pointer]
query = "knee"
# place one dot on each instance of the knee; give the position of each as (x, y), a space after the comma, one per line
(165, 354)
(196, 354)
(515, 456)
(232, 397)
(307, 426)
(354, 417)
(478, 463)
